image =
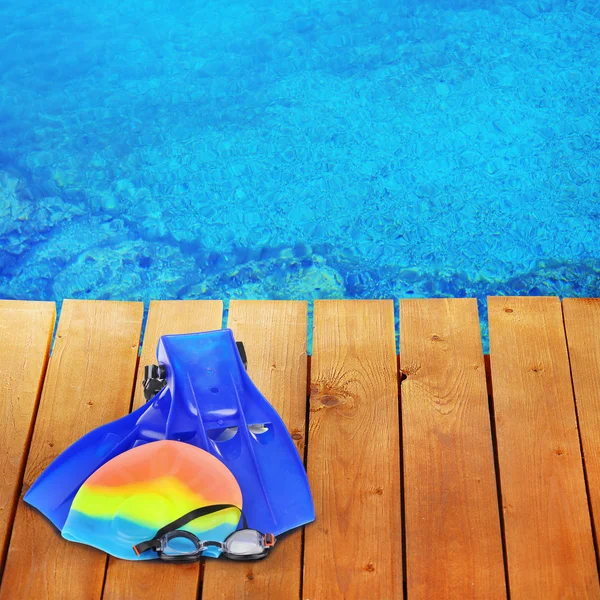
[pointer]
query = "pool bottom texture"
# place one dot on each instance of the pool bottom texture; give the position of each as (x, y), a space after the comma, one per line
(270, 149)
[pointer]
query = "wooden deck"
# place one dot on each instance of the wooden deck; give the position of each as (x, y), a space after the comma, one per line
(437, 474)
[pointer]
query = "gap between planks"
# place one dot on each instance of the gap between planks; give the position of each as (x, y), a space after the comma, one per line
(92, 337)
(550, 550)
(581, 321)
(25, 337)
(127, 579)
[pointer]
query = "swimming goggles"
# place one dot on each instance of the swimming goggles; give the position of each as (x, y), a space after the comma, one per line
(175, 545)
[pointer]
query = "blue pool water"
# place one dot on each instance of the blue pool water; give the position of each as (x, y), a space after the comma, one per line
(299, 149)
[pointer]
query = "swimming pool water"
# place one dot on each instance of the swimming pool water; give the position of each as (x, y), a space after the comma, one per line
(298, 149)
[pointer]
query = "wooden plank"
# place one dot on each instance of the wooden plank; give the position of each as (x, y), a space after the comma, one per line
(548, 534)
(582, 324)
(274, 335)
(93, 339)
(452, 521)
(25, 336)
(125, 579)
(354, 548)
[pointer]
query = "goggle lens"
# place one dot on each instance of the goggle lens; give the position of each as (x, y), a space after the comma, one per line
(175, 544)
(244, 542)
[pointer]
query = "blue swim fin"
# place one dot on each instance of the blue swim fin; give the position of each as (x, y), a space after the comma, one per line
(208, 401)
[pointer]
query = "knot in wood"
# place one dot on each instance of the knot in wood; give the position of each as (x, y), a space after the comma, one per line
(410, 369)
(330, 400)
(327, 395)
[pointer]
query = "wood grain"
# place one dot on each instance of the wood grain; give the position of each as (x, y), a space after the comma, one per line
(93, 339)
(354, 548)
(582, 325)
(274, 335)
(452, 521)
(547, 524)
(125, 579)
(25, 336)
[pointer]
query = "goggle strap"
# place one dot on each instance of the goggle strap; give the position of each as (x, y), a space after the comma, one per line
(184, 520)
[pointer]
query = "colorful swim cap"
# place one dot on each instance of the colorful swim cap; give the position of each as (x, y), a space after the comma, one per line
(136, 493)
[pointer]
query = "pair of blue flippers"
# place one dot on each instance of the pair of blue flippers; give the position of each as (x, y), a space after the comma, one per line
(208, 401)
